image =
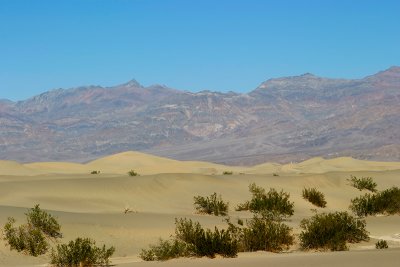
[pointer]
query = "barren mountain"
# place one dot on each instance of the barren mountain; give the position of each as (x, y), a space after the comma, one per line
(285, 119)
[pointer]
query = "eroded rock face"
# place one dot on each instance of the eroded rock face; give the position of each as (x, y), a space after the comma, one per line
(284, 119)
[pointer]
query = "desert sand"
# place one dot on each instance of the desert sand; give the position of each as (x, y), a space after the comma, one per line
(93, 205)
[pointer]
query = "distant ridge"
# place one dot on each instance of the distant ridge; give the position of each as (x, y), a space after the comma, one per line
(282, 120)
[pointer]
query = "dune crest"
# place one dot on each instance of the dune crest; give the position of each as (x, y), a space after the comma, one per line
(147, 164)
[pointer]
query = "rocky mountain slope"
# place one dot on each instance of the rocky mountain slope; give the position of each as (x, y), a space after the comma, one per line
(285, 119)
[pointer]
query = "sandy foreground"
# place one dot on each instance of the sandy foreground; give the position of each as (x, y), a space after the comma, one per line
(93, 205)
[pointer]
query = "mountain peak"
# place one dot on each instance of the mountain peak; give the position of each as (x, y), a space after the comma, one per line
(132, 83)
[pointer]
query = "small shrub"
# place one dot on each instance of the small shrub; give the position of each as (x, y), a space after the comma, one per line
(242, 206)
(332, 231)
(165, 250)
(273, 204)
(212, 204)
(95, 172)
(384, 202)
(363, 183)
(275, 174)
(31, 237)
(315, 197)
(265, 234)
(192, 240)
(133, 173)
(25, 238)
(227, 173)
(381, 244)
(44, 221)
(82, 252)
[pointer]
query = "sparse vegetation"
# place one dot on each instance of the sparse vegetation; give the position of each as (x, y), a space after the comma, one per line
(332, 231)
(32, 237)
(81, 252)
(275, 174)
(212, 204)
(362, 183)
(227, 173)
(384, 202)
(381, 244)
(95, 172)
(314, 196)
(272, 204)
(133, 173)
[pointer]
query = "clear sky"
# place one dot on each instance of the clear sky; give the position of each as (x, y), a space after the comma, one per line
(191, 45)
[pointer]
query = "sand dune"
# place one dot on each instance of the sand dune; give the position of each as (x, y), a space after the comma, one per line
(93, 205)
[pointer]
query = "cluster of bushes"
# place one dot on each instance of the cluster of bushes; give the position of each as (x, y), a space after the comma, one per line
(95, 172)
(265, 231)
(227, 172)
(384, 202)
(332, 231)
(271, 204)
(363, 183)
(315, 197)
(212, 204)
(33, 238)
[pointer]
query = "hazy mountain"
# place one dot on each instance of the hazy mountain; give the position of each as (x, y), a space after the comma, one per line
(284, 119)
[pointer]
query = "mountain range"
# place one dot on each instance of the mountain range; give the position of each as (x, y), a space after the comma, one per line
(283, 120)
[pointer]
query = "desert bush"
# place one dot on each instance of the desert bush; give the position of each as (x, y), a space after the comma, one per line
(206, 242)
(44, 221)
(82, 252)
(212, 204)
(25, 238)
(363, 183)
(384, 202)
(95, 172)
(265, 234)
(192, 240)
(227, 173)
(32, 237)
(332, 231)
(273, 204)
(133, 173)
(381, 244)
(315, 197)
(275, 174)
(165, 250)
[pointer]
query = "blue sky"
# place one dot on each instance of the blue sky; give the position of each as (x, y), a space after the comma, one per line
(190, 45)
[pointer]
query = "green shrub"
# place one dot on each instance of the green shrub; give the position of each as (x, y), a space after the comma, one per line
(211, 205)
(264, 234)
(32, 237)
(384, 202)
(273, 204)
(206, 242)
(192, 240)
(381, 244)
(133, 173)
(332, 231)
(44, 221)
(227, 173)
(82, 252)
(363, 183)
(165, 250)
(315, 197)
(25, 238)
